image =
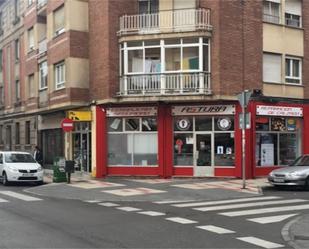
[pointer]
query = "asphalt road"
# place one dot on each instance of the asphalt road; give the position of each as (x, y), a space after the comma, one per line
(62, 223)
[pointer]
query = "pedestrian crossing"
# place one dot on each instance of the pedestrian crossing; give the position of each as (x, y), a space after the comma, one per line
(262, 210)
(10, 196)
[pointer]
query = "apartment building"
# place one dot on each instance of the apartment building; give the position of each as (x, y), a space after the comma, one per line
(44, 75)
(165, 75)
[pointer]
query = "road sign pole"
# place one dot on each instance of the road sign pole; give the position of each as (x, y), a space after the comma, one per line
(244, 142)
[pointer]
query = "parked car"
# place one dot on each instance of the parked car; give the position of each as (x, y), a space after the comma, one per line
(296, 174)
(19, 167)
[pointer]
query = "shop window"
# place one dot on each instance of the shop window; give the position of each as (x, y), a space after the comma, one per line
(132, 141)
(183, 124)
(203, 123)
(224, 124)
(278, 143)
(224, 149)
(183, 149)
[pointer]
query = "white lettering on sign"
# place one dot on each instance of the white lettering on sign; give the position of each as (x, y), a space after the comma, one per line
(279, 111)
(131, 111)
(204, 110)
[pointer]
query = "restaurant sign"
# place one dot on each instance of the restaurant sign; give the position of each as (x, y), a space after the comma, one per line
(131, 111)
(203, 110)
(279, 111)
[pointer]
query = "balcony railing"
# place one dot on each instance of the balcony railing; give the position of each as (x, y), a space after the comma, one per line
(166, 21)
(271, 18)
(42, 47)
(166, 84)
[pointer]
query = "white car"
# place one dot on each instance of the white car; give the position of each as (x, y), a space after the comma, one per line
(19, 167)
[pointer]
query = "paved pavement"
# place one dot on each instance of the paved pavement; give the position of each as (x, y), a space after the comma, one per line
(295, 233)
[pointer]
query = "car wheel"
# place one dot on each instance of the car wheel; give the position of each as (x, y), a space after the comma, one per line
(306, 186)
(5, 181)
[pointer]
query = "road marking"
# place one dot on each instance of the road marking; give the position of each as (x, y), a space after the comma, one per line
(154, 181)
(181, 220)
(172, 201)
(129, 209)
(133, 191)
(3, 200)
(152, 213)
(92, 201)
(92, 184)
(260, 242)
(209, 203)
(271, 219)
(265, 210)
(20, 196)
(215, 229)
(108, 204)
(244, 205)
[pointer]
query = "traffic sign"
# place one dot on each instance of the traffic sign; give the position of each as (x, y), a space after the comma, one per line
(244, 98)
(67, 125)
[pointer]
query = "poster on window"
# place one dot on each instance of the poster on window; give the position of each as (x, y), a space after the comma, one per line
(267, 154)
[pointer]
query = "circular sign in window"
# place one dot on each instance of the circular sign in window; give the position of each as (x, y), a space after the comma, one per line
(224, 124)
(183, 124)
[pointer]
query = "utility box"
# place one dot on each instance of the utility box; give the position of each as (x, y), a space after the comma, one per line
(59, 170)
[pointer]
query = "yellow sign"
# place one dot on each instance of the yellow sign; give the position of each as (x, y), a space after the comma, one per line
(80, 115)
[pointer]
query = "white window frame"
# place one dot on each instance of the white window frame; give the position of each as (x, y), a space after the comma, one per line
(43, 85)
(290, 19)
(291, 76)
(59, 74)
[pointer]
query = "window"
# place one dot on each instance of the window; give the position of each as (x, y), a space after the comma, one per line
(1, 96)
(133, 141)
(278, 140)
(30, 39)
(148, 6)
(60, 75)
(31, 86)
(16, 11)
(293, 69)
(1, 60)
(59, 21)
(1, 23)
(272, 68)
(27, 132)
(17, 90)
(43, 71)
(30, 2)
(1, 134)
(293, 12)
(271, 11)
(17, 133)
(17, 50)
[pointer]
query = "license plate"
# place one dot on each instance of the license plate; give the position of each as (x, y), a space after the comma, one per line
(278, 180)
(28, 174)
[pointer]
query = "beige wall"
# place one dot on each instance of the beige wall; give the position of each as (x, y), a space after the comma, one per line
(76, 13)
(283, 90)
(279, 39)
(77, 72)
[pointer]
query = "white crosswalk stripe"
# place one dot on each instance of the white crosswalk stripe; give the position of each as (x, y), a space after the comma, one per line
(108, 204)
(265, 210)
(210, 203)
(260, 242)
(152, 213)
(129, 209)
(254, 204)
(181, 220)
(272, 219)
(3, 200)
(216, 229)
(20, 196)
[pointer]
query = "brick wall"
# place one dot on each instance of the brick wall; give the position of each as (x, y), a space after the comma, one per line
(305, 19)
(103, 45)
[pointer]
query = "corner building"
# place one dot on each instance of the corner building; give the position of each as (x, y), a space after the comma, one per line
(165, 77)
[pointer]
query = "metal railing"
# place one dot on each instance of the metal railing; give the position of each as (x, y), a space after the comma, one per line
(166, 84)
(166, 21)
(271, 18)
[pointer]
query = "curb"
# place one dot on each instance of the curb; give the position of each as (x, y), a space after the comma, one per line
(288, 236)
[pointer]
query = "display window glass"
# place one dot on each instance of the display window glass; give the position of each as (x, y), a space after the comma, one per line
(278, 140)
(187, 128)
(132, 141)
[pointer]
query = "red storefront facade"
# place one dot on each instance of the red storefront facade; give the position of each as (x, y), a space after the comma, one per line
(198, 139)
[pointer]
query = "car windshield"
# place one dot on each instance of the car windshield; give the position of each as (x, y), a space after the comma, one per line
(301, 161)
(19, 158)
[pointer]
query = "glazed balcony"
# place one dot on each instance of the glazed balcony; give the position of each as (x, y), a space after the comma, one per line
(165, 84)
(165, 22)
